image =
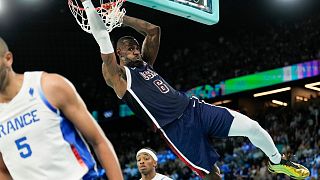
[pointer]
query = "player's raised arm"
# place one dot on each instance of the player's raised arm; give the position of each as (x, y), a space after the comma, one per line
(111, 70)
(4, 173)
(151, 43)
(73, 107)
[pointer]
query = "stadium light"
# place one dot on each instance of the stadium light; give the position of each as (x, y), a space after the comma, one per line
(1, 7)
(292, 3)
(312, 86)
(272, 92)
(279, 103)
(299, 98)
(287, 1)
(289, 8)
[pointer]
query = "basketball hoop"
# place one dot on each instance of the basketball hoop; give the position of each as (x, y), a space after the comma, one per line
(110, 13)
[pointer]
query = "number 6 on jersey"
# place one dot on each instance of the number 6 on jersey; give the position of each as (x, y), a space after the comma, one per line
(162, 87)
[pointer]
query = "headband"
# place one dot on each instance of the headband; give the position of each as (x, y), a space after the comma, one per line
(151, 153)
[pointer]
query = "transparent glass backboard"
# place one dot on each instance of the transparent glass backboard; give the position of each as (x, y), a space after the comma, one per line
(203, 11)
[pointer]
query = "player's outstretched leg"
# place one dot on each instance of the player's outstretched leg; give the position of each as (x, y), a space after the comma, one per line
(244, 126)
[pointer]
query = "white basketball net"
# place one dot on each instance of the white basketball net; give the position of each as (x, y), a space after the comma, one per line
(110, 13)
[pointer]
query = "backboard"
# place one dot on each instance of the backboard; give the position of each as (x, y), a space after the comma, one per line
(203, 11)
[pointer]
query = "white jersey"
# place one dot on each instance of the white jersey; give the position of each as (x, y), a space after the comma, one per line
(159, 176)
(37, 142)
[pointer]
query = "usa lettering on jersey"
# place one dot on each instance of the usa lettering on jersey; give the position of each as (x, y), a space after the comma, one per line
(148, 74)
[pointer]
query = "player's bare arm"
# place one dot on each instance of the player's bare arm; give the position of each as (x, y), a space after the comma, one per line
(151, 43)
(4, 173)
(70, 103)
(112, 71)
(114, 74)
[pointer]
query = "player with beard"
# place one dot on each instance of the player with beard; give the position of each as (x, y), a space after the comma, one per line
(147, 164)
(187, 124)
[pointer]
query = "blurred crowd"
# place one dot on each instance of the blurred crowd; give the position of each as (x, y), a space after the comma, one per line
(295, 132)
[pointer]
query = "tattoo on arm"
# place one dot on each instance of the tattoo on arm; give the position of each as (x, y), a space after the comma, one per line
(110, 68)
(123, 74)
(105, 75)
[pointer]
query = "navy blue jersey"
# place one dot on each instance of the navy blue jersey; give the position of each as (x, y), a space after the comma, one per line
(150, 97)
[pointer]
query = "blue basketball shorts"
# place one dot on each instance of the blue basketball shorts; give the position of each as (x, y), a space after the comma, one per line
(189, 135)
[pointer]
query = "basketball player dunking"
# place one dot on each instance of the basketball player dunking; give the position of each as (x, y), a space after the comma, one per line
(186, 123)
(40, 116)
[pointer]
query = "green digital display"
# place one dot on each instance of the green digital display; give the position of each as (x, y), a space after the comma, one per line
(254, 81)
(124, 111)
(272, 77)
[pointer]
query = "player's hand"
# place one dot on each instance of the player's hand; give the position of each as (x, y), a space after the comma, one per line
(124, 21)
(123, 24)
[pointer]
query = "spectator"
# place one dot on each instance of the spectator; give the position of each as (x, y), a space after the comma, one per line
(147, 164)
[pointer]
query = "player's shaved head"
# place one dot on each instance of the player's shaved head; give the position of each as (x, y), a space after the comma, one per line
(3, 47)
(126, 39)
